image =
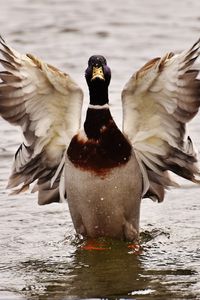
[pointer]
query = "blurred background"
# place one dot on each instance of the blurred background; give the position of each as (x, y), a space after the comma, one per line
(40, 256)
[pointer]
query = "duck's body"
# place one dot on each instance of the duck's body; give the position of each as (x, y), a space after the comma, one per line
(103, 172)
(107, 205)
(103, 195)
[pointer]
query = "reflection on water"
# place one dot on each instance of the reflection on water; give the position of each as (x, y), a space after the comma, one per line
(37, 261)
(89, 274)
(112, 274)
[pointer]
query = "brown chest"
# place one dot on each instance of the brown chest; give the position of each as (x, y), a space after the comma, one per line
(100, 155)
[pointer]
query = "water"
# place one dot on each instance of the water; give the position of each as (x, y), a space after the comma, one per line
(40, 256)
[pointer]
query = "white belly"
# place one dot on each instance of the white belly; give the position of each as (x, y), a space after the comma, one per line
(105, 205)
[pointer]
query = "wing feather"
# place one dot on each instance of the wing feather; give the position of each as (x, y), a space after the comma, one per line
(47, 104)
(158, 101)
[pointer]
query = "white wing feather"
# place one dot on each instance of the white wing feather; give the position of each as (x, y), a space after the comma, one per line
(47, 104)
(158, 101)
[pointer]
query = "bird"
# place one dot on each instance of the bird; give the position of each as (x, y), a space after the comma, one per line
(102, 171)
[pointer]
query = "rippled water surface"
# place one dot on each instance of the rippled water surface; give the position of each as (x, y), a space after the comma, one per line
(39, 255)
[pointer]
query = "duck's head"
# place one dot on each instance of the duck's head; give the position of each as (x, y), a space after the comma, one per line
(98, 76)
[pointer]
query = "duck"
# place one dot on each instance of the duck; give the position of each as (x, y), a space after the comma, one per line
(102, 171)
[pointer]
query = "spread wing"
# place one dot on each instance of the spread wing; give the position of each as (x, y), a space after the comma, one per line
(46, 104)
(158, 101)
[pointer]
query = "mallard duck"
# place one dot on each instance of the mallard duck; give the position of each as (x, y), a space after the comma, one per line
(103, 172)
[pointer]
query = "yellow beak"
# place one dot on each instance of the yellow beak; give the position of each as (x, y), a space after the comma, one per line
(97, 72)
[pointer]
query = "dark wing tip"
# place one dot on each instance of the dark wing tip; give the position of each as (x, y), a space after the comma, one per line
(196, 44)
(2, 41)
